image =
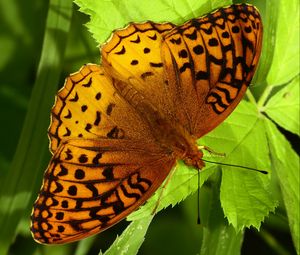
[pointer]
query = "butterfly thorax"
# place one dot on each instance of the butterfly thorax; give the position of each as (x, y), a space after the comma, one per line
(180, 142)
(172, 137)
(176, 140)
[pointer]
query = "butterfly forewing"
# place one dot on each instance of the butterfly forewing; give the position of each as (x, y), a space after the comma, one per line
(210, 62)
(89, 107)
(133, 55)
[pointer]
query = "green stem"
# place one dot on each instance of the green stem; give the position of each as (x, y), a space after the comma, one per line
(251, 97)
(84, 246)
(264, 97)
(273, 243)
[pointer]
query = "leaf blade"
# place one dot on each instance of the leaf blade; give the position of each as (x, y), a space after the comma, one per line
(131, 239)
(285, 63)
(284, 107)
(246, 195)
(286, 166)
(218, 236)
(101, 23)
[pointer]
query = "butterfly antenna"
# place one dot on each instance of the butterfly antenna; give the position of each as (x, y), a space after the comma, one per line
(244, 167)
(198, 200)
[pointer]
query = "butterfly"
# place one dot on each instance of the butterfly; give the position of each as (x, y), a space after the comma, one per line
(118, 128)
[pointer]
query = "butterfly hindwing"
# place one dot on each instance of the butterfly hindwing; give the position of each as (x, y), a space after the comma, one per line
(91, 185)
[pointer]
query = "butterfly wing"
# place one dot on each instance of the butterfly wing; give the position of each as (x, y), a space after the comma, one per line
(89, 107)
(133, 56)
(201, 69)
(92, 184)
(210, 62)
(105, 162)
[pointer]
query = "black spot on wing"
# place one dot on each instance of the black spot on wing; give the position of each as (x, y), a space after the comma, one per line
(146, 74)
(156, 64)
(68, 132)
(184, 67)
(176, 41)
(92, 188)
(115, 133)
(88, 127)
(98, 118)
(192, 36)
(69, 115)
(137, 40)
(88, 84)
(108, 173)
(154, 37)
(75, 98)
(121, 52)
(110, 108)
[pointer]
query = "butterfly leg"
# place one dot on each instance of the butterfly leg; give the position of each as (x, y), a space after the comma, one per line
(211, 151)
(163, 189)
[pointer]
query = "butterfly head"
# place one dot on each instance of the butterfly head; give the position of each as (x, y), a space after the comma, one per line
(194, 159)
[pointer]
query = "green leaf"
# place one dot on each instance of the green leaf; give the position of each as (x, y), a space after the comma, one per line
(123, 12)
(182, 184)
(234, 137)
(285, 65)
(218, 237)
(285, 162)
(57, 250)
(131, 239)
(269, 12)
(17, 186)
(283, 107)
(85, 245)
(246, 195)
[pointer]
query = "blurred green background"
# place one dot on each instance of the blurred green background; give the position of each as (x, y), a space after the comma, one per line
(22, 30)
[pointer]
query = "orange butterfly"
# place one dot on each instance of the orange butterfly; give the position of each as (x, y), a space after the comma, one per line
(118, 129)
